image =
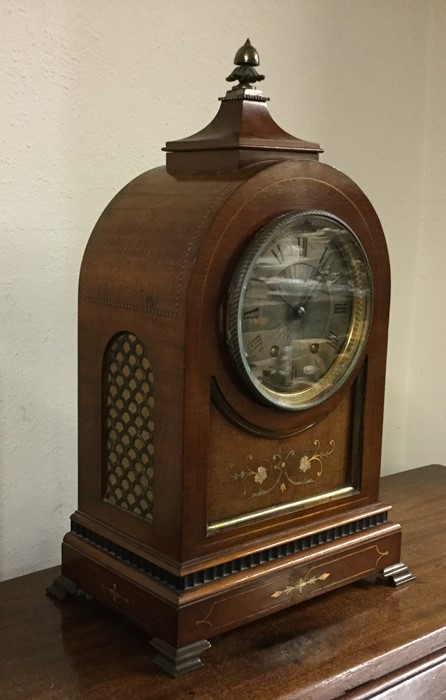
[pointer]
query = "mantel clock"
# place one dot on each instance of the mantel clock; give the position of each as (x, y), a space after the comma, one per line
(233, 314)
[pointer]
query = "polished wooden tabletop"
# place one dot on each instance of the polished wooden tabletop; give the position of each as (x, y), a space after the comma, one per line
(356, 640)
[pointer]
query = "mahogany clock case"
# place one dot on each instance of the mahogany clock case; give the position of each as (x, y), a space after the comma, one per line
(200, 507)
(180, 325)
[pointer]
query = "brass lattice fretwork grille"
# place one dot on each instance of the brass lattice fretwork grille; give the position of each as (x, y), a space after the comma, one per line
(129, 426)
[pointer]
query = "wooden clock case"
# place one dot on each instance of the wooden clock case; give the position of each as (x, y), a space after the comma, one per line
(172, 527)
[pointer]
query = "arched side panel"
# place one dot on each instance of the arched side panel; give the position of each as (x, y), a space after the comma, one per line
(128, 426)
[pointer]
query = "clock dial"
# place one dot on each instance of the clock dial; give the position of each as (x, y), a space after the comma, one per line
(299, 309)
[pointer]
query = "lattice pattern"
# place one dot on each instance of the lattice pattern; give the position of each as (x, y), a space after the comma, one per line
(129, 426)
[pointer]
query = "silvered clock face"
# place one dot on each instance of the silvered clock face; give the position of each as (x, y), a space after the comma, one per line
(299, 309)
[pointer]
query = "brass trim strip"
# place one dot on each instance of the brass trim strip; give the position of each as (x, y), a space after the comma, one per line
(274, 510)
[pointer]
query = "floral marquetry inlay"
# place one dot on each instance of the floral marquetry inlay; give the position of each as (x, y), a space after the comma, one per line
(301, 584)
(282, 469)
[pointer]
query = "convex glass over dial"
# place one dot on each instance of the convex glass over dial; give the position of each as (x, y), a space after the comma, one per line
(299, 309)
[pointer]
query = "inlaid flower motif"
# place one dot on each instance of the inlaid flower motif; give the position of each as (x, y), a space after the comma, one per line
(261, 475)
(305, 463)
(281, 470)
(301, 584)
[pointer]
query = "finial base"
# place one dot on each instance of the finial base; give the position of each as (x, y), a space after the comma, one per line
(243, 93)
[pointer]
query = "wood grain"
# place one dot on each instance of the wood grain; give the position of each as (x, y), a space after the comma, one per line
(364, 640)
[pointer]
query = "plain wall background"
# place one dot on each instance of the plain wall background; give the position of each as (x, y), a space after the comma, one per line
(90, 92)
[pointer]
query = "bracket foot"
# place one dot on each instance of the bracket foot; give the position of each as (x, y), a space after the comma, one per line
(62, 588)
(178, 661)
(395, 575)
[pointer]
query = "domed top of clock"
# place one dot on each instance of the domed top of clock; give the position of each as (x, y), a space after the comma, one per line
(243, 131)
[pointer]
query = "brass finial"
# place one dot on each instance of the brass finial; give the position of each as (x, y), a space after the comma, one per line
(245, 60)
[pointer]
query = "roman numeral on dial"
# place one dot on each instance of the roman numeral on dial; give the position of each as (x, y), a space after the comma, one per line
(340, 307)
(326, 260)
(251, 313)
(255, 344)
(278, 254)
(333, 340)
(303, 245)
